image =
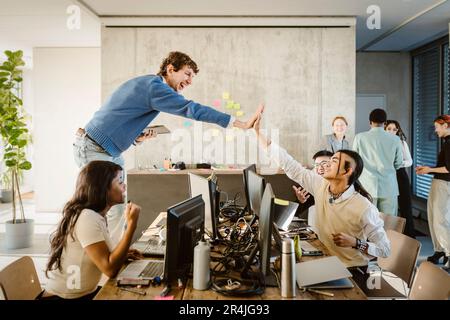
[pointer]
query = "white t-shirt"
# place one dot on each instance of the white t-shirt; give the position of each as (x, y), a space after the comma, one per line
(79, 275)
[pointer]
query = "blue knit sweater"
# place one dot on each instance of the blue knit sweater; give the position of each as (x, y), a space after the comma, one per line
(130, 109)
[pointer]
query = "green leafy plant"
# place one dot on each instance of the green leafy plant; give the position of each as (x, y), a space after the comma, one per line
(13, 128)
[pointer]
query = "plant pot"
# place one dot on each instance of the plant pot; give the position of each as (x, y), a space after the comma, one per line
(19, 235)
(6, 195)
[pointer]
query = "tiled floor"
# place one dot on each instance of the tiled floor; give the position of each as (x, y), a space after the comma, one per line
(45, 224)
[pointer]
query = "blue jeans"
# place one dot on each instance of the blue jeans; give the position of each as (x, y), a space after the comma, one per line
(86, 150)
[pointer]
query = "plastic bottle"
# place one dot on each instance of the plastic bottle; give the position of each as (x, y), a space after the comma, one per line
(201, 266)
(288, 269)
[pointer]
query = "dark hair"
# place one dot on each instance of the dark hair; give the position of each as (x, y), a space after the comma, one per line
(442, 119)
(400, 132)
(353, 179)
(322, 153)
(178, 60)
(93, 184)
(378, 116)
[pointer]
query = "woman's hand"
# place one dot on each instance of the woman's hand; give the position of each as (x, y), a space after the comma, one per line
(132, 215)
(343, 240)
(423, 170)
(249, 124)
(301, 194)
(134, 254)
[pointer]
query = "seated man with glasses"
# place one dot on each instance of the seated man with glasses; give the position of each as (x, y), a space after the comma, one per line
(321, 158)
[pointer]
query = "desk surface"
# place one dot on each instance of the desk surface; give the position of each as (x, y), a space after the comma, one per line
(110, 291)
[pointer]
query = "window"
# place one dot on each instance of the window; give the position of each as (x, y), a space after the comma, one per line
(430, 99)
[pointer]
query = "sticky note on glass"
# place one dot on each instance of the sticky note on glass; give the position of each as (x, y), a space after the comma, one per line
(215, 133)
(229, 138)
(239, 113)
(217, 103)
(226, 95)
(187, 124)
(237, 106)
(281, 202)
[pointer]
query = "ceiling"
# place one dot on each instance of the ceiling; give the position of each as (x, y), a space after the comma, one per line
(405, 24)
(413, 21)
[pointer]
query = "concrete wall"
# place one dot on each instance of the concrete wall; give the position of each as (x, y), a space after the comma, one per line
(67, 93)
(388, 74)
(305, 76)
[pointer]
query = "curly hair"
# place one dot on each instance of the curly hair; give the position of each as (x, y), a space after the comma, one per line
(178, 60)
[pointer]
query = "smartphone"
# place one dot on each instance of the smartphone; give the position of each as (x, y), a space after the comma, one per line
(312, 253)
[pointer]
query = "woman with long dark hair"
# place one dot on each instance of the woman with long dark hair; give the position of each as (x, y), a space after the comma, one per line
(438, 206)
(81, 247)
(404, 186)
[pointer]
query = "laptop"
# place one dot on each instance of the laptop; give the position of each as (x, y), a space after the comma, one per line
(323, 273)
(141, 272)
(284, 213)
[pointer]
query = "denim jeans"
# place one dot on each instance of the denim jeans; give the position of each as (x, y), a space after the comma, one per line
(86, 150)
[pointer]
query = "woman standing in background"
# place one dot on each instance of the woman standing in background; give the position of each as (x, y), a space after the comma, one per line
(336, 141)
(438, 206)
(404, 186)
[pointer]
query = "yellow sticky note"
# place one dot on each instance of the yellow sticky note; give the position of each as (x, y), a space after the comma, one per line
(239, 113)
(230, 104)
(281, 202)
(229, 138)
(226, 95)
(237, 106)
(215, 133)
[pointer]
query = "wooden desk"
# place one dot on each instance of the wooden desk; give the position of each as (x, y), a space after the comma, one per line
(111, 292)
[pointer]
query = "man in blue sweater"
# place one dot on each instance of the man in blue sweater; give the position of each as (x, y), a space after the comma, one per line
(131, 107)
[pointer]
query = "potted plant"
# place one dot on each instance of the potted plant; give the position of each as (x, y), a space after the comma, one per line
(15, 137)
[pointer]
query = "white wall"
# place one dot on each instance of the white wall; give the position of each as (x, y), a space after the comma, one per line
(67, 93)
(305, 76)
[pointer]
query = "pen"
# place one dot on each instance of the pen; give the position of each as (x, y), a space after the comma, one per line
(325, 293)
(142, 293)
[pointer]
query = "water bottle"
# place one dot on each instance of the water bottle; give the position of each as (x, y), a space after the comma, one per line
(288, 269)
(201, 265)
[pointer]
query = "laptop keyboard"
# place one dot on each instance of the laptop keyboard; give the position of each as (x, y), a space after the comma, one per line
(155, 247)
(152, 269)
(297, 225)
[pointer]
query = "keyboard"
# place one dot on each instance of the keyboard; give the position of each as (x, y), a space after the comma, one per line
(154, 247)
(152, 269)
(297, 225)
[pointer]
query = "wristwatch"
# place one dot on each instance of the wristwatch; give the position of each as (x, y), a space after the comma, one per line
(361, 245)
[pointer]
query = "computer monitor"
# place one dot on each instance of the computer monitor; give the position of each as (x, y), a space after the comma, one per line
(255, 187)
(185, 227)
(245, 178)
(199, 185)
(264, 237)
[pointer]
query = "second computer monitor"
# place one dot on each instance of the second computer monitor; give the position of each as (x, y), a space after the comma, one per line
(199, 185)
(265, 229)
(255, 189)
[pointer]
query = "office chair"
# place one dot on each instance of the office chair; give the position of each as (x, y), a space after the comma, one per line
(430, 283)
(19, 280)
(401, 262)
(393, 222)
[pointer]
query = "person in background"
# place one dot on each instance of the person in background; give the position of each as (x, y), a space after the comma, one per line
(438, 206)
(336, 141)
(321, 158)
(404, 186)
(382, 154)
(81, 248)
(122, 119)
